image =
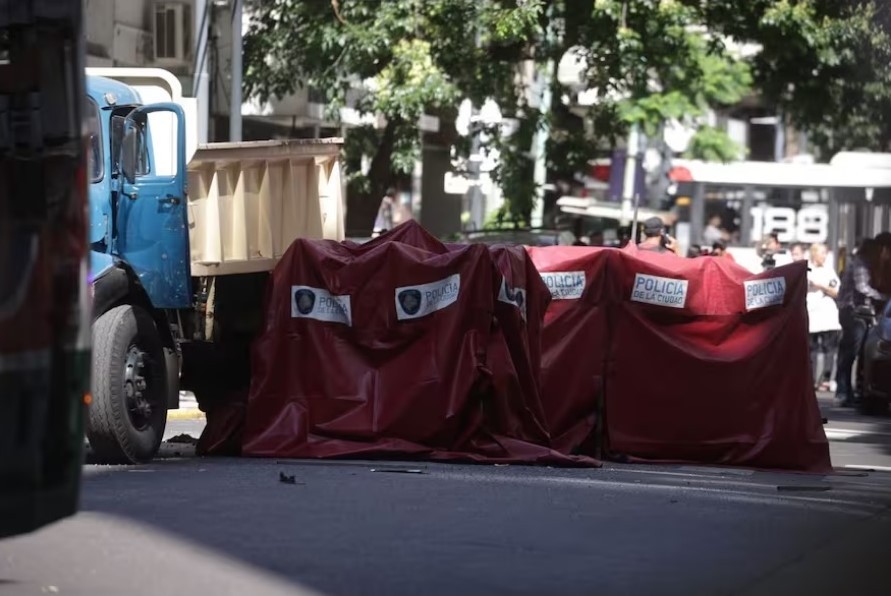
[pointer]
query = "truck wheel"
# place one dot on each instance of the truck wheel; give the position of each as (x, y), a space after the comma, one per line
(129, 410)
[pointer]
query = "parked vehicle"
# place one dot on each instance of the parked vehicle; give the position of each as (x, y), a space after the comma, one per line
(179, 277)
(44, 301)
(876, 367)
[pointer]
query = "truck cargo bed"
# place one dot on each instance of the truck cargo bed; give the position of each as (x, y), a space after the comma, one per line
(249, 201)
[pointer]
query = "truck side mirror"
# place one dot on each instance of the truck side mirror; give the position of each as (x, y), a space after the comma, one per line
(129, 152)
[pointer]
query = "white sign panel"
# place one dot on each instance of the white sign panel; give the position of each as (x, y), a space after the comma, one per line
(661, 291)
(315, 303)
(565, 285)
(414, 302)
(761, 293)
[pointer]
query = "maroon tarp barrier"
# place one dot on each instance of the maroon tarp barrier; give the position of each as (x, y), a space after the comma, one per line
(515, 348)
(574, 342)
(709, 364)
(380, 349)
(513, 409)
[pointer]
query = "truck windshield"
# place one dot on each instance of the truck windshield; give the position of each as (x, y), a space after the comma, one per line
(94, 129)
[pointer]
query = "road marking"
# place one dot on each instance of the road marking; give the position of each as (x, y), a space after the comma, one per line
(870, 468)
(843, 434)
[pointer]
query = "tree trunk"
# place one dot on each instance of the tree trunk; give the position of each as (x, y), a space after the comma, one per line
(362, 208)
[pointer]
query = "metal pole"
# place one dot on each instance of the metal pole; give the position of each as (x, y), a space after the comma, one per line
(237, 70)
(540, 170)
(697, 213)
(634, 221)
(628, 193)
(473, 198)
(779, 141)
(745, 235)
(200, 80)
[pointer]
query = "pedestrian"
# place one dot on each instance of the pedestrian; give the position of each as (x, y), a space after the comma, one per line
(719, 249)
(883, 269)
(770, 247)
(713, 232)
(855, 297)
(385, 212)
(822, 311)
(656, 239)
(797, 252)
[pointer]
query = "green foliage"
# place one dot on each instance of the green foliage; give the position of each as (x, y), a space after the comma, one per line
(713, 144)
(416, 56)
(826, 64)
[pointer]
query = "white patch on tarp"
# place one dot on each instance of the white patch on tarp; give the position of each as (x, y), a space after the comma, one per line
(761, 293)
(565, 285)
(661, 291)
(315, 303)
(513, 296)
(414, 302)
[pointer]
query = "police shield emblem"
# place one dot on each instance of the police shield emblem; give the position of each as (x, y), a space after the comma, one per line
(304, 300)
(410, 301)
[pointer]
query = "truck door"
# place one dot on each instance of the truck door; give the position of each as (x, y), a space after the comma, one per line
(152, 228)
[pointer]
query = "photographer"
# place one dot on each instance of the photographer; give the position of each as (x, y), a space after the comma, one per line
(656, 239)
(856, 296)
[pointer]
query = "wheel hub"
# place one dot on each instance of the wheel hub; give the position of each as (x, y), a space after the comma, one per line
(135, 386)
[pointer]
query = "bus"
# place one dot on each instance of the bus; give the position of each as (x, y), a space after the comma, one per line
(44, 300)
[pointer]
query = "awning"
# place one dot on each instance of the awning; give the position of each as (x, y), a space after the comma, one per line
(604, 210)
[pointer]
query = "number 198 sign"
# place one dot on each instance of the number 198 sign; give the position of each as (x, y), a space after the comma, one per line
(808, 225)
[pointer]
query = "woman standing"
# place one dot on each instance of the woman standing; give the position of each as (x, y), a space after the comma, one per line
(823, 324)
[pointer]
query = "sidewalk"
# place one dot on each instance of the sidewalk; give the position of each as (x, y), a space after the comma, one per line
(188, 408)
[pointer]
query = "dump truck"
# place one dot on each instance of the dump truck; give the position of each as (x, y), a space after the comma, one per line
(183, 236)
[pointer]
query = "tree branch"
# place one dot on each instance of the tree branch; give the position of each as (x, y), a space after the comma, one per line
(336, 6)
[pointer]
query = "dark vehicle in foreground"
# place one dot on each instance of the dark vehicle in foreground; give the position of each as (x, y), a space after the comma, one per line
(44, 310)
(876, 372)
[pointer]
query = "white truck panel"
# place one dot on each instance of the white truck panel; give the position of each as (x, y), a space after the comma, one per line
(249, 201)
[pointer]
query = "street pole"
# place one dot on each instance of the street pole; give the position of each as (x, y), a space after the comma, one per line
(540, 170)
(473, 197)
(201, 79)
(630, 175)
(237, 70)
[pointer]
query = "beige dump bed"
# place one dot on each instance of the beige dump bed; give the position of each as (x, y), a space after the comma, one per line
(249, 201)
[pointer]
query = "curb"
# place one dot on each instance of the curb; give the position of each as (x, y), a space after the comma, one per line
(185, 414)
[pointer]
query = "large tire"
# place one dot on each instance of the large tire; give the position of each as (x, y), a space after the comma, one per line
(129, 410)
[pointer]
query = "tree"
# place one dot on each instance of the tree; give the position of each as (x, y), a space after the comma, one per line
(825, 64)
(410, 57)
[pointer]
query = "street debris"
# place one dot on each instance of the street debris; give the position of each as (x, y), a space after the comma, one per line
(802, 488)
(285, 479)
(183, 438)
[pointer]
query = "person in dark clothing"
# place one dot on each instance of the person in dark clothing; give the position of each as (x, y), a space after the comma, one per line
(655, 237)
(856, 292)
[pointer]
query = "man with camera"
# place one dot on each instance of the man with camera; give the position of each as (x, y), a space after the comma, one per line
(656, 239)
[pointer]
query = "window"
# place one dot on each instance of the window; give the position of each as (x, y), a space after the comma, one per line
(94, 129)
(143, 166)
(173, 32)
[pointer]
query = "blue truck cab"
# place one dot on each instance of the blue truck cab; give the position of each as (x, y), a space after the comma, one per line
(139, 267)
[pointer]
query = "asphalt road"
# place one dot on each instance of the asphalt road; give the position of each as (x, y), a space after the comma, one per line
(230, 526)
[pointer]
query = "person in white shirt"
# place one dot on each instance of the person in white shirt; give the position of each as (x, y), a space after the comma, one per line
(823, 324)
